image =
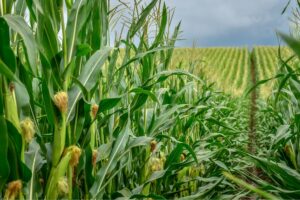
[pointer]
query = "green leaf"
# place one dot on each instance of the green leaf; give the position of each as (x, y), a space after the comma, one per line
(6, 53)
(46, 35)
(142, 55)
(154, 176)
(18, 169)
(162, 76)
(250, 187)
(174, 156)
(293, 43)
(284, 174)
(139, 141)
(190, 150)
(104, 150)
(221, 164)
(162, 27)
(142, 18)
(281, 85)
(88, 77)
(4, 167)
(9, 5)
(150, 196)
(20, 7)
(100, 21)
(164, 120)
(22, 97)
(69, 3)
(109, 103)
(283, 134)
(118, 147)
(261, 82)
(35, 162)
(4, 33)
(88, 166)
(284, 9)
(31, 9)
(83, 50)
(90, 73)
(172, 44)
(18, 24)
(49, 109)
(145, 92)
(79, 13)
(4, 69)
(82, 88)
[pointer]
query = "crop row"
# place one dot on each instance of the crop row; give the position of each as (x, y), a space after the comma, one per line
(228, 68)
(267, 66)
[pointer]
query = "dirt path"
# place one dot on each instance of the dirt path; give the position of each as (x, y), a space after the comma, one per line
(253, 109)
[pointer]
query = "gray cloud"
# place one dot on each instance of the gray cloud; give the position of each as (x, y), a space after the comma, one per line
(230, 22)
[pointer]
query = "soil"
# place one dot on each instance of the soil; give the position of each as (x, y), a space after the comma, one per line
(252, 120)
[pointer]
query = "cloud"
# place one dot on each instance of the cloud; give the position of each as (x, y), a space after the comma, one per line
(229, 22)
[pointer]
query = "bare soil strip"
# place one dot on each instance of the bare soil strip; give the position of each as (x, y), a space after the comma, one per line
(253, 109)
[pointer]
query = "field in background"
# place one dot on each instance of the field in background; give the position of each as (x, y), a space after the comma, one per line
(229, 67)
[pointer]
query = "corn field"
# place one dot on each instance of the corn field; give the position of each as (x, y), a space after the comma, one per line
(89, 112)
(229, 67)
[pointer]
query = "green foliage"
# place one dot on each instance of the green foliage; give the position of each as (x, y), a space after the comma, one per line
(83, 119)
(60, 76)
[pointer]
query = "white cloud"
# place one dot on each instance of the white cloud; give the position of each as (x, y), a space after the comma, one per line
(230, 22)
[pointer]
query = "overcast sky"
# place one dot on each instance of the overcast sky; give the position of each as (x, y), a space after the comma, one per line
(230, 22)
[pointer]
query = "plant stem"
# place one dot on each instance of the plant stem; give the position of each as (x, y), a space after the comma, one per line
(70, 176)
(93, 135)
(86, 196)
(57, 172)
(145, 119)
(1, 8)
(242, 183)
(64, 37)
(11, 111)
(52, 11)
(59, 140)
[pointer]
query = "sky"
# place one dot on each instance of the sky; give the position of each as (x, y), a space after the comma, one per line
(230, 22)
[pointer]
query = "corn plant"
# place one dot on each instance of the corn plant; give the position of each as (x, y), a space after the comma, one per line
(90, 112)
(76, 123)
